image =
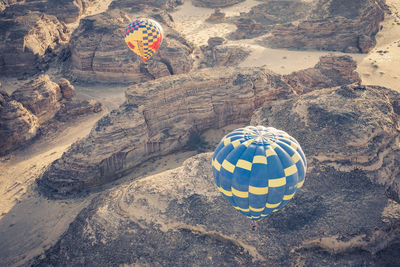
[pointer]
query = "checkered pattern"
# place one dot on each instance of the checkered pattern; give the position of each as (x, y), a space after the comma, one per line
(143, 36)
(258, 169)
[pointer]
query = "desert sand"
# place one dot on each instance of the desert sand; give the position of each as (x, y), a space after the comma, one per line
(29, 223)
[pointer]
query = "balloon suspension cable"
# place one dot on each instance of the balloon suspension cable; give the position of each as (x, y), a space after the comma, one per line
(253, 225)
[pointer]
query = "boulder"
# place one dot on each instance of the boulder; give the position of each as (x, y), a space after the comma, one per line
(41, 96)
(67, 90)
(18, 125)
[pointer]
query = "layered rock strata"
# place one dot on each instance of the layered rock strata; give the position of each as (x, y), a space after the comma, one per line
(25, 39)
(158, 118)
(99, 53)
(216, 54)
(38, 105)
(262, 18)
(135, 4)
(335, 25)
(328, 72)
(215, 3)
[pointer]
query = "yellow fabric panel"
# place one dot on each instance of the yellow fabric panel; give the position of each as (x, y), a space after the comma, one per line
(258, 190)
(271, 206)
(227, 141)
(260, 159)
(277, 182)
(287, 197)
(248, 142)
(238, 193)
(256, 210)
(290, 170)
(270, 152)
(228, 166)
(217, 165)
(294, 145)
(239, 208)
(225, 192)
(300, 184)
(244, 164)
(236, 143)
(296, 157)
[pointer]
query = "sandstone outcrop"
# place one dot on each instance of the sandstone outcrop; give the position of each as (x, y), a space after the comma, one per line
(179, 218)
(336, 25)
(216, 54)
(348, 128)
(17, 125)
(25, 39)
(40, 96)
(139, 4)
(261, 18)
(158, 118)
(98, 53)
(329, 72)
(215, 3)
(6, 3)
(37, 106)
(67, 90)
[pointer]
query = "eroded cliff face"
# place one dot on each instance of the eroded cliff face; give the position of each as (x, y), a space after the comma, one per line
(215, 3)
(36, 106)
(158, 118)
(329, 72)
(179, 218)
(350, 25)
(334, 25)
(25, 39)
(99, 53)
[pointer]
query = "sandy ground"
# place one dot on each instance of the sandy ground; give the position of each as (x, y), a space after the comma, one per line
(29, 223)
(382, 65)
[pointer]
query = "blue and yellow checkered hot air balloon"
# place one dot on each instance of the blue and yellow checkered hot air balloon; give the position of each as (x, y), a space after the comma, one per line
(258, 169)
(144, 36)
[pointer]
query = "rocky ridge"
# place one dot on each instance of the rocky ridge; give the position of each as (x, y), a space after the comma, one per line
(350, 25)
(31, 109)
(147, 126)
(98, 53)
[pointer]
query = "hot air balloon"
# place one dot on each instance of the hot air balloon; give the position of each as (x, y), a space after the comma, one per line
(258, 169)
(143, 36)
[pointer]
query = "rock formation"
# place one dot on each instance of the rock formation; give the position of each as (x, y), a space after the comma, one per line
(34, 32)
(217, 16)
(329, 72)
(216, 54)
(347, 128)
(158, 118)
(37, 105)
(350, 25)
(179, 218)
(40, 96)
(25, 39)
(261, 18)
(130, 5)
(17, 125)
(99, 53)
(215, 3)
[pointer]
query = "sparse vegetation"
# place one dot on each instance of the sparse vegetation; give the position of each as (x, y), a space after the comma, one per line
(197, 142)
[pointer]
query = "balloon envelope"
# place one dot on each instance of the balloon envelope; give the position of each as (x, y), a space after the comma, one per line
(143, 37)
(258, 169)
